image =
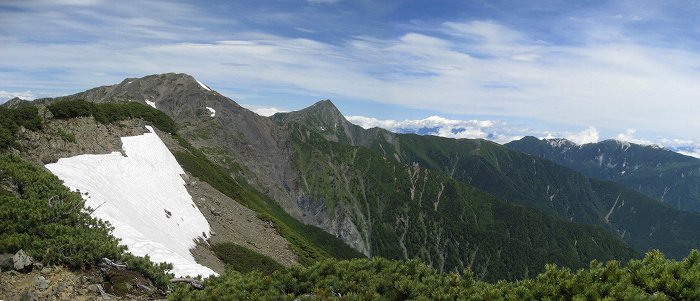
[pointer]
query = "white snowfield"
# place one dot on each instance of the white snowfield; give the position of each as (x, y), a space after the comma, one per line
(143, 196)
(151, 103)
(203, 86)
(212, 112)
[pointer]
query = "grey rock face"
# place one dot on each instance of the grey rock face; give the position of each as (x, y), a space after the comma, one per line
(22, 261)
(338, 223)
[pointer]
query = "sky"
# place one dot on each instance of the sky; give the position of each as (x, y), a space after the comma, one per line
(583, 70)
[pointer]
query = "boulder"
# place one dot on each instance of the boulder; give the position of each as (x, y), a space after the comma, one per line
(214, 211)
(41, 283)
(22, 261)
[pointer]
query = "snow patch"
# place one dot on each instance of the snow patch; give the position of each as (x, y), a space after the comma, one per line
(561, 143)
(132, 192)
(203, 86)
(212, 112)
(151, 103)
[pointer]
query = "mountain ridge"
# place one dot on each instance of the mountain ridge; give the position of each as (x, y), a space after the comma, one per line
(273, 155)
(659, 173)
(306, 161)
(541, 184)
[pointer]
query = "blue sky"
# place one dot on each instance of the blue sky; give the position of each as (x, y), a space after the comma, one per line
(586, 70)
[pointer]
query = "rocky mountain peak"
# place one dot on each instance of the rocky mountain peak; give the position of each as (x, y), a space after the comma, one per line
(325, 105)
(542, 145)
(560, 143)
(324, 109)
(324, 118)
(166, 82)
(179, 95)
(16, 103)
(529, 139)
(322, 114)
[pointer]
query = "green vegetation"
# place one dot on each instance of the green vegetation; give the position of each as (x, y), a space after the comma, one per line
(517, 178)
(407, 212)
(12, 119)
(244, 260)
(659, 173)
(66, 136)
(642, 222)
(111, 112)
(652, 278)
(45, 219)
(307, 242)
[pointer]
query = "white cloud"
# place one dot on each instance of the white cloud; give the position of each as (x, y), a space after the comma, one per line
(435, 125)
(26, 95)
(695, 152)
(686, 147)
(589, 135)
(502, 132)
(630, 136)
(264, 111)
(467, 68)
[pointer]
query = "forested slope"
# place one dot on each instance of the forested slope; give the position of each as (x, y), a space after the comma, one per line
(661, 174)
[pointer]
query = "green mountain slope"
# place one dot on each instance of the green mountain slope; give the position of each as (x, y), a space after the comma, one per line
(408, 212)
(529, 181)
(519, 178)
(661, 174)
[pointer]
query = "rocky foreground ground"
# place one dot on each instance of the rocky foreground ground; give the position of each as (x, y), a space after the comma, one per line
(24, 279)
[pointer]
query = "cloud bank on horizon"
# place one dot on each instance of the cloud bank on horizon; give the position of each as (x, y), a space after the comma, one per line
(501, 132)
(498, 131)
(606, 65)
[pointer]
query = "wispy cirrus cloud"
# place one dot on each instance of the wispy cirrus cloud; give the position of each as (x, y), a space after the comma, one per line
(606, 69)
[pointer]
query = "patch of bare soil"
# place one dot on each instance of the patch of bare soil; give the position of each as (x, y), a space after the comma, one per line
(232, 222)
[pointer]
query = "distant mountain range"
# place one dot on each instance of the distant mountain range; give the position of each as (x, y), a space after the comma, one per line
(501, 132)
(453, 203)
(664, 175)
